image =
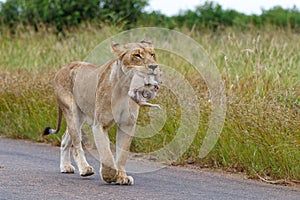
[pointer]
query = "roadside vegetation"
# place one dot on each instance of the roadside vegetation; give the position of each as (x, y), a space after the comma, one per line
(257, 56)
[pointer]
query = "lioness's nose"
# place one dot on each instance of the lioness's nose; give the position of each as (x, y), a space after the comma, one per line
(153, 66)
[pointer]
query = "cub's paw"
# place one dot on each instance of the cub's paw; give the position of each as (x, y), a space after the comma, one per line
(68, 169)
(87, 171)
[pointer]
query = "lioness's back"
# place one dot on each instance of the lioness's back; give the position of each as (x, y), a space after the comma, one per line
(79, 80)
(65, 76)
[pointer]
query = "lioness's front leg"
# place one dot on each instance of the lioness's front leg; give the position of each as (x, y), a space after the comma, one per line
(108, 170)
(123, 141)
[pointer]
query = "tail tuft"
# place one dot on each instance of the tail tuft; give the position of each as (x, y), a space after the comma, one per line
(47, 130)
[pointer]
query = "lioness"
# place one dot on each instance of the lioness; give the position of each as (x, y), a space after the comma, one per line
(99, 95)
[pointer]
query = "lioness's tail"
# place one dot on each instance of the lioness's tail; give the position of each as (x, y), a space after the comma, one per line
(48, 130)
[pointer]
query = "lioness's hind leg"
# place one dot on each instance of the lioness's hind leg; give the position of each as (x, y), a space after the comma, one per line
(65, 161)
(74, 121)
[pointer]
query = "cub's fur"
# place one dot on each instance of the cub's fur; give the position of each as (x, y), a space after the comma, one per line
(144, 86)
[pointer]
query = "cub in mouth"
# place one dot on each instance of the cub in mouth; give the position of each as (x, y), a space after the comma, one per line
(144, 86)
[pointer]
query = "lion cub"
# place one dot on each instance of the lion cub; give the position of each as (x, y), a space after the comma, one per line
(144, 86)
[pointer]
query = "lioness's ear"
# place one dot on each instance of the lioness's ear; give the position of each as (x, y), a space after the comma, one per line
(117, 48)
(146, 42)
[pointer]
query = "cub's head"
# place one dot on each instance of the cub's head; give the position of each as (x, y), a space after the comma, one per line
(139, 56)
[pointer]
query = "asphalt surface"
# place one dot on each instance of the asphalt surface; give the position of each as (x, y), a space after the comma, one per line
(31, 171)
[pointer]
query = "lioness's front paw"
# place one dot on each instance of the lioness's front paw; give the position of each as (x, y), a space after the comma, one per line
(67, 168)
(108, 174)
(87, 171)
(125, 180)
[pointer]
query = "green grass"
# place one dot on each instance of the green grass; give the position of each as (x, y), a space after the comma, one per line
(262, 127)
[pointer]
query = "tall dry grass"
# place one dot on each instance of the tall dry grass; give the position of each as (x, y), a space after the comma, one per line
(261, 69)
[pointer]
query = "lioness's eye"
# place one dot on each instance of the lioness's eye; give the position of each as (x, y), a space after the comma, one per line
(138, 55)
(153, 55)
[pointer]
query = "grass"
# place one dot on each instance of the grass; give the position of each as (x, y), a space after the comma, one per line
(261, 134)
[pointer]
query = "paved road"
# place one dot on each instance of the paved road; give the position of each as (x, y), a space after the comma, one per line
(30, 171)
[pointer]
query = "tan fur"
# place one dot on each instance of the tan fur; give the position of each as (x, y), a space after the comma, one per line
(100, 96)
